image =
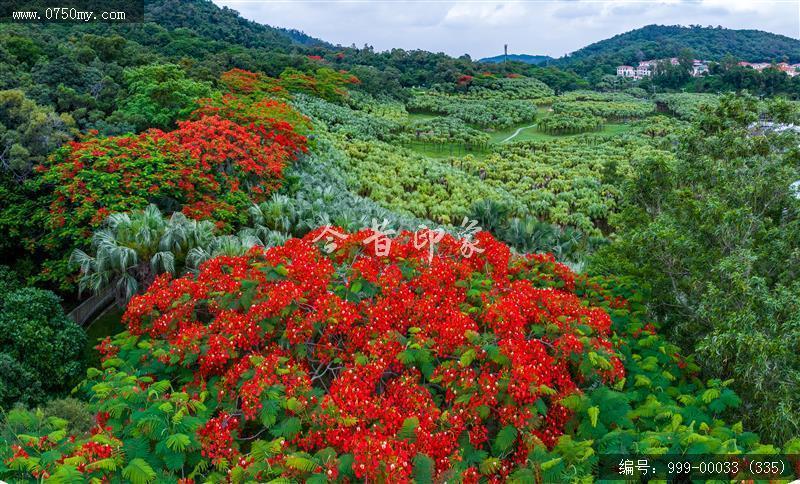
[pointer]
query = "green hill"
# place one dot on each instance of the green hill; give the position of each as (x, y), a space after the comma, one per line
(659, 41)
(525, 58)
(223, 24)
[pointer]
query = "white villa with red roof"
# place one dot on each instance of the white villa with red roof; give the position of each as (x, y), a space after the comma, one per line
(790, 69)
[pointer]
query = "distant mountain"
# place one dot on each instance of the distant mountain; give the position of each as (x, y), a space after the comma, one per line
(526, 58)
(660, 41)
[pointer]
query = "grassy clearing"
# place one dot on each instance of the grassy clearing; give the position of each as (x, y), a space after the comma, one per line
(496, 137)
(532, 134)
(450, 150)
(412, 117)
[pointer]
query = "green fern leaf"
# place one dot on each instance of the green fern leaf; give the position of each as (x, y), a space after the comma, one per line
(138, 472)
(178, 442)
(67, 475)
(423, 468)
(104, 464)
(301, 463)
(408, 430)
(504, 440)
(489, 466)
(593, 412)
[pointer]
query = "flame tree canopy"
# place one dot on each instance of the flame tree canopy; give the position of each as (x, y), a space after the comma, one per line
(306, 363)
(229, 155)
(449, 365)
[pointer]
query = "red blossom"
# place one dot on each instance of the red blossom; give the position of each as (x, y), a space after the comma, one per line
(502, 334)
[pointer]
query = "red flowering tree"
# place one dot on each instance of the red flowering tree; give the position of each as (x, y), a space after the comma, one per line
(360, 366)
(464, 79)
(325, 83)
(209, 168)
(240, 81)
(96, 176)
(231, 154)
(272, 119)
(237, 154)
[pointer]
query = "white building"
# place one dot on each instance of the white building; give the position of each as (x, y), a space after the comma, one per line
(626, 71)
(699, 68)
(647, 68)
(791, 70)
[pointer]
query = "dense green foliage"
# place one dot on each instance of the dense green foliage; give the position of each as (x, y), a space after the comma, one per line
(491, 113)
(411, 183)
(448, 130)
(605, 109)
(516, 87)
(352, 123)
(684, 105)
(159, 95)
(40, 348)
(715, 231)
(571, 122)
(28, 133)
(571, 182)
(526, 58)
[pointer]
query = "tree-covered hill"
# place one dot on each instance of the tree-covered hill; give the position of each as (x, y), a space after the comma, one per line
(209, 20)
(205, 40)
(526, 58)
(660, 41)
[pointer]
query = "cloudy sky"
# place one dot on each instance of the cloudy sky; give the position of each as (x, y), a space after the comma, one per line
(480, 28)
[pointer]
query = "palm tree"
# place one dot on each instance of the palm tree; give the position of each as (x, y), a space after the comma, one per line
(490, 214)
(133, 248)
(529, 234)
(232, 245)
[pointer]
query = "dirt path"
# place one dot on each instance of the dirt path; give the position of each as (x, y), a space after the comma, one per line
(517, 132)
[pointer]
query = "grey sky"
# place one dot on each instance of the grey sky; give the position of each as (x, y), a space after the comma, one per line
(480, 28)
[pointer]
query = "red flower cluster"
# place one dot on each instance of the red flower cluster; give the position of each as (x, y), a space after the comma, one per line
(240, 81)
(326, 83)
(465, 79)
(386, 358)
(216, 436)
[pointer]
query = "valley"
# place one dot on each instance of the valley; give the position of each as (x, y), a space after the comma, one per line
(335, 264)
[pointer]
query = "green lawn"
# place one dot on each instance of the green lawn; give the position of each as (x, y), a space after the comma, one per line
(528, 133)
(532, 134)
(441, 152)
(422, 116)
